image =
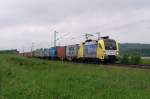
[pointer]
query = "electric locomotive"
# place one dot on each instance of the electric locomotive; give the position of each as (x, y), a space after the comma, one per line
(102, 50)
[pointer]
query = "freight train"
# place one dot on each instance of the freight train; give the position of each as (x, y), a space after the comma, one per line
(102, 50)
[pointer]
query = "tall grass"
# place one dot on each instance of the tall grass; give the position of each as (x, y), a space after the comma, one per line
(23, 78)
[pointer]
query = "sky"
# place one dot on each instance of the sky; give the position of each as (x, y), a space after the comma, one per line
(27, 23)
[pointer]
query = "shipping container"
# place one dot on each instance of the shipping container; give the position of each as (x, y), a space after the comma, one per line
(53, 52)
(90, 49)
(61, 52)
(34, 53)
(41, 53)
(37, 53)
(27, 54)
(72, 51)
(46, 52)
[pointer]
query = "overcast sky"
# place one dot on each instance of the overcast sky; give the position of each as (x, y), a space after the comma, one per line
(25, 21)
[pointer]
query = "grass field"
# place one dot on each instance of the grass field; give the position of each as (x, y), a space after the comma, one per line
(145, 61)
(23, 78)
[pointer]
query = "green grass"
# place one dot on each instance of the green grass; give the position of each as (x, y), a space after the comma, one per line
(23, 78)
(145, 61)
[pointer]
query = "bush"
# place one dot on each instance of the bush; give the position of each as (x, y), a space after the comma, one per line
(131, 59)
(125, 59)
(135, 59)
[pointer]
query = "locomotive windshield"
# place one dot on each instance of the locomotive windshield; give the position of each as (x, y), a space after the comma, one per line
(110, 44)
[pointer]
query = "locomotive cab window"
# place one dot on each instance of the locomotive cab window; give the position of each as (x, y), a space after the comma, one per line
(110, 44)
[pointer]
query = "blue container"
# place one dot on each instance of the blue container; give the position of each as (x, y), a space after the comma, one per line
(53, 52)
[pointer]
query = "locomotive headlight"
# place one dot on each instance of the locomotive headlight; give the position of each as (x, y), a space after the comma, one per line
(117, 52)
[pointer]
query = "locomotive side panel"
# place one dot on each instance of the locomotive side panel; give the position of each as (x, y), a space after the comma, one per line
(101, 50)
(81, 51)
(90, 51)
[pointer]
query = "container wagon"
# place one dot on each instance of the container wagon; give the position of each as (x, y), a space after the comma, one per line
(72, 52)
(53, 53)
(27, 54)
(46, 53)
(61, 52)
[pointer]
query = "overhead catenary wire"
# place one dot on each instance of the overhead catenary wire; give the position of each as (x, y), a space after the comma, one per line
(65, 39)
(73, 40)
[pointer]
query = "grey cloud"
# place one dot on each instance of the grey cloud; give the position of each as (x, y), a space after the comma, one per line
(53, 11)
(35, 20)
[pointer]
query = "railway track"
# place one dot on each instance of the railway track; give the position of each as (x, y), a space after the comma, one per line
(140, 66)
